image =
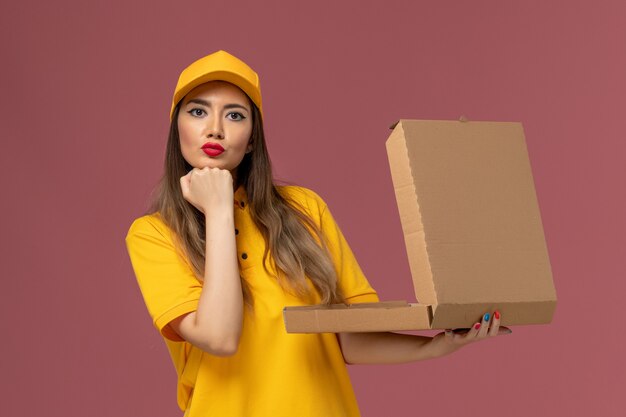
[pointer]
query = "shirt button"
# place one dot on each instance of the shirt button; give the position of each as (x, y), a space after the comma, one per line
(244, 255)
(236, 231)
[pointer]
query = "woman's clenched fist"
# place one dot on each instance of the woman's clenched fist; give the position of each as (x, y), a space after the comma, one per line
(208, 189)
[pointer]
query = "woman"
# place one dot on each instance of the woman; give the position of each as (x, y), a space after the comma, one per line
(223, 249)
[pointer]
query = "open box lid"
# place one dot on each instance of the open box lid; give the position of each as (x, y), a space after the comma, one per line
(469, 214)
(472, 230)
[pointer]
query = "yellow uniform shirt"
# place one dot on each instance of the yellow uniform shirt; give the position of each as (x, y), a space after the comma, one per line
(273, 373)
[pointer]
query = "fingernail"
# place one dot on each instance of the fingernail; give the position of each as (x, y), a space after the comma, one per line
(509, 331)
(477, 326)
(496, 314)
(486, 318)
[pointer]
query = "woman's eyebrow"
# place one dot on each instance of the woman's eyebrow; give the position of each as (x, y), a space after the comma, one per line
(207, 104)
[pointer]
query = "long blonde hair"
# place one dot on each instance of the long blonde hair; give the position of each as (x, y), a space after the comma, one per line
(296, 243)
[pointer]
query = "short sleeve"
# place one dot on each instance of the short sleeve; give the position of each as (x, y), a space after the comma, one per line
(168, 284)
(352, 281)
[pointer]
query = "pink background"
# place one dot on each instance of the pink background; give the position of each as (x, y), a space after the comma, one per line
(86, 93)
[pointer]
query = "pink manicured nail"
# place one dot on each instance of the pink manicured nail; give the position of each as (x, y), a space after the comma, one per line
(477, 326)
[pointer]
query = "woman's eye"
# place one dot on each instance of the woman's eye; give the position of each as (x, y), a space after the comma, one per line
(237, 116)
(196, 112)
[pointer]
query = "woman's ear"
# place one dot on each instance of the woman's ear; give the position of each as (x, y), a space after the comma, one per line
(249, 148)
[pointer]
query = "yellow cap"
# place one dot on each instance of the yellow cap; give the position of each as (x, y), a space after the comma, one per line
(223, 66)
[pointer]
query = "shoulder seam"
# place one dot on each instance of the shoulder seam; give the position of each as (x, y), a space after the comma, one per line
(146, 219)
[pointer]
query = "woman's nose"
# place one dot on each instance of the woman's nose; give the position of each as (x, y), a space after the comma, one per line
(215, 128)
(213, 133)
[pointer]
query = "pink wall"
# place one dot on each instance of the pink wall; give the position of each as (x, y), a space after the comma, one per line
(86, 94)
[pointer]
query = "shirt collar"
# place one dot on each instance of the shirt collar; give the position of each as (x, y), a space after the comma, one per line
(241, 198)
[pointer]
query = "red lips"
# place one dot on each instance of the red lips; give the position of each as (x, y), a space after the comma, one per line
(212, 149)
(210, 145)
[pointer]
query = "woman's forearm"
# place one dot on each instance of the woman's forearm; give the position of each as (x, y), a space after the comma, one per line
(388, 347)
(220, 309)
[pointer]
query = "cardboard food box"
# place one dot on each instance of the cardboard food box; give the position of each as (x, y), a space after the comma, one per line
(472, 230)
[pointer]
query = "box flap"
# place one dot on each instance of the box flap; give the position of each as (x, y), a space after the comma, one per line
(446, 316)
(469, 213)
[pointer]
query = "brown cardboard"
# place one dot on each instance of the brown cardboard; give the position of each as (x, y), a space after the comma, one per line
(472, 231)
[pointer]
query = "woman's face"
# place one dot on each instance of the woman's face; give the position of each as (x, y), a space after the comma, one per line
(214, 125)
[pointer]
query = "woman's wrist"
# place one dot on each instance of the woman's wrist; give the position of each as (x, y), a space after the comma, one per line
(440, 346)
(219, 214)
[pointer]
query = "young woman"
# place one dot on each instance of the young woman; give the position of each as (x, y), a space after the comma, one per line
(223, 249)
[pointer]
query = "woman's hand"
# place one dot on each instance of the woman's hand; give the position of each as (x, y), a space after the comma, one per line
(208, 189)
(488, 327)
